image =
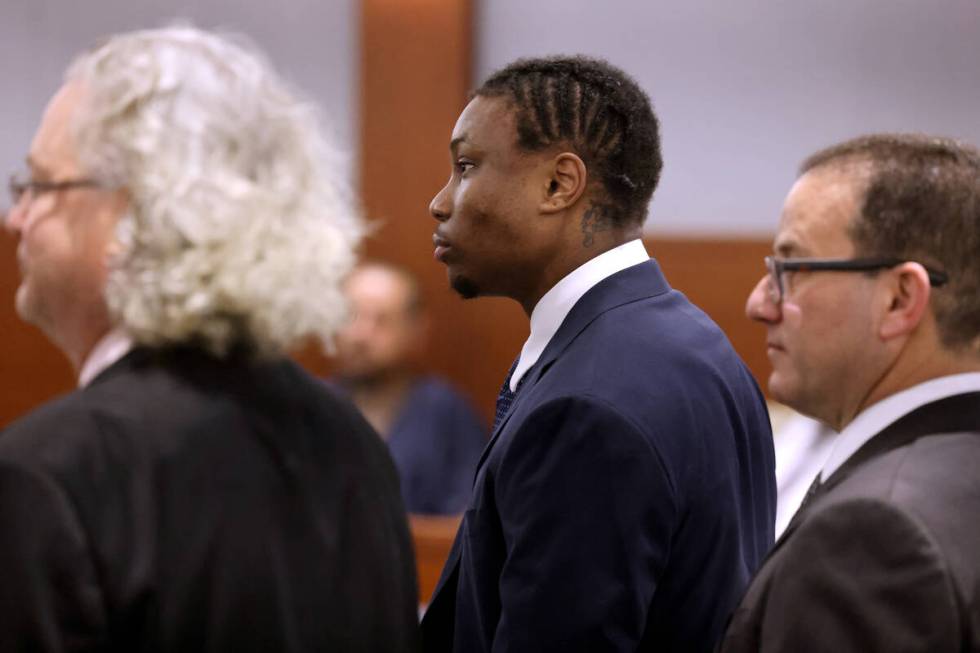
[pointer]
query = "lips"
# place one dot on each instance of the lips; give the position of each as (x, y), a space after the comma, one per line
(441, 247)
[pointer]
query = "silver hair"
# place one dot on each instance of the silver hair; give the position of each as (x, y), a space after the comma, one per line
(241, 227)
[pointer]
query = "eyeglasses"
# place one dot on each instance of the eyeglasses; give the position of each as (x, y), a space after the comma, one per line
(776, 267)
(18, 187)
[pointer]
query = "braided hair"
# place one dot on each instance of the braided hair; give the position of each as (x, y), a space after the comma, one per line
(599, 112)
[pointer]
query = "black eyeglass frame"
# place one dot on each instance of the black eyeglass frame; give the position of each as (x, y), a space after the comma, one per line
(775, 267)
(18, 188)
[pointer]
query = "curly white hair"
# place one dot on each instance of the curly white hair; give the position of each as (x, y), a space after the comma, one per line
(241, 227)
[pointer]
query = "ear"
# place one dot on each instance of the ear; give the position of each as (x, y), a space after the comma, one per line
(907, 300)
(565, 182)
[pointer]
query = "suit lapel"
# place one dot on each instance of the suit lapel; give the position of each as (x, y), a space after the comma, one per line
(634, 283)
(949, 415)
(522, 392)
(450, 571)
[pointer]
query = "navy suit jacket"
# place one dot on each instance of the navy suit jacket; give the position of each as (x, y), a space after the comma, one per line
(627, 497)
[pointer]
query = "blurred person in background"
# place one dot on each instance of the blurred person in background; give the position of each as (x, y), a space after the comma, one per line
(181, 225)
(432, 431)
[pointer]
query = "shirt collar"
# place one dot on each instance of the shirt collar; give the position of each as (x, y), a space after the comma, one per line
(551, 309)
(110, 348)
(876, 417)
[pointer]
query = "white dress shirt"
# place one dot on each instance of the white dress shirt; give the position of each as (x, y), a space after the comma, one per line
(109, 349)
(802, 446)
(876, 417)
(551, 309)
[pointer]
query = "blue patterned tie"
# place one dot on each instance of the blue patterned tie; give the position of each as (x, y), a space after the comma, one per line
(506, 396)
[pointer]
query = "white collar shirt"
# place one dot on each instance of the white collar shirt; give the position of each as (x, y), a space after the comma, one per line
(553, 307)
(110, 348)
(876, 417)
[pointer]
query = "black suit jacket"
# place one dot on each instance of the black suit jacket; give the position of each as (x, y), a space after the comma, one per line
(886, 556)
(627, 497)
(182, 503)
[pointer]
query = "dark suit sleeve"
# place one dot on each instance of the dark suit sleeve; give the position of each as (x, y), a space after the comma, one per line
(587, 514)
(466, 438)
(49, 600)
(861, 576)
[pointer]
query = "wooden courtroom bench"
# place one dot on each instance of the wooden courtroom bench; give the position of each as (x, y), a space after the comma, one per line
(433, 538)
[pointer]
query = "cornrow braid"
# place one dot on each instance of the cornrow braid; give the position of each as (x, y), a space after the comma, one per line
(596, 110)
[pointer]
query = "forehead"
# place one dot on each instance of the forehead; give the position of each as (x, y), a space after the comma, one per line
(53, 148)
(377, 288)
(487, 123)
(818, 212)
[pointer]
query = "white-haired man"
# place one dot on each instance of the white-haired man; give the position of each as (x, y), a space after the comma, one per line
(198, 492)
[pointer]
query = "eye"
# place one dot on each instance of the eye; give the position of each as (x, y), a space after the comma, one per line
(462, 165)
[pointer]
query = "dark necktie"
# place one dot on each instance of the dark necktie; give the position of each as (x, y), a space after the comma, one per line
(811, 492)
(506, 396)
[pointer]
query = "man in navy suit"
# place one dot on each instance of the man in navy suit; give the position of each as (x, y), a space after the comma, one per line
(628, 490)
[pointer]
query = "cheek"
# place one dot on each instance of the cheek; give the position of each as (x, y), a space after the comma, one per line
(803, 334)
(46, 243)
(792, 315)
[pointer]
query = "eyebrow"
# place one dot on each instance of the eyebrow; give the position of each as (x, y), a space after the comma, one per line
(453, 144)
(789, 248)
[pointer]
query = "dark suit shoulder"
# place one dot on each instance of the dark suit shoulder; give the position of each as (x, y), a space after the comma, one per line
(932, 483)
(65, 419)
(908, 475)
(666, 368)
(859, 573)
(658, 348)
(157, 400)
(931, 479)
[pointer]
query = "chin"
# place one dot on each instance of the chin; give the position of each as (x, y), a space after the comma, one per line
(796, 396)
(464, 287)
(779, 391)
(24, 305)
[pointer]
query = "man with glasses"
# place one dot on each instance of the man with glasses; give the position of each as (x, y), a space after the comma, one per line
(179, 228)
(872, 308)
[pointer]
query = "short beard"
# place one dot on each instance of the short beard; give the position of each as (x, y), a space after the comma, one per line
(464, 287)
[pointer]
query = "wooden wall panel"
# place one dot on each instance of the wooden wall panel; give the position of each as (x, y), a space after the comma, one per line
(31, 369)
(717, 274)
(433, 537)
(415, 78)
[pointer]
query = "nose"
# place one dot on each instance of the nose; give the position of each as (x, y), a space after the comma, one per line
(759, 306)
(441, 205)
(13, 220)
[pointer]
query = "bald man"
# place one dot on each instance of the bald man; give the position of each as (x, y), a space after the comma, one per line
(432, 431)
